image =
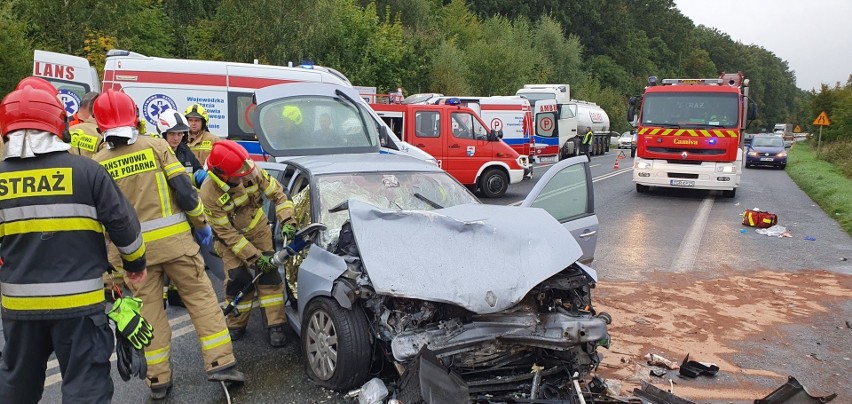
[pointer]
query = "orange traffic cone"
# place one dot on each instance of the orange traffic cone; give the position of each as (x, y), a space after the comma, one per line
(615, 167)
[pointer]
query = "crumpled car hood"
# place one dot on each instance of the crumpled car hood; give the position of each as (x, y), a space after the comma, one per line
(484, 258)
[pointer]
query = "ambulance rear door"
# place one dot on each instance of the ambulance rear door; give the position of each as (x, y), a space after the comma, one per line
(71, 75)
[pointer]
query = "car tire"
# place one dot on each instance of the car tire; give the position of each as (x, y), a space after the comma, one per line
(642, 188)
(748, 165)
(493, 183)
(336, 345)
(632, 152)
(730, 194)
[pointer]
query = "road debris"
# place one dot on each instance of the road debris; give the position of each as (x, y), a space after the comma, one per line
(793, 392)
(658, 372)
(810, 238)
(651, 394)
(694, 369)
(657, 360)
(775, 231)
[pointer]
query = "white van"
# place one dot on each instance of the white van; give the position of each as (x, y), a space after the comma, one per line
(225, 89)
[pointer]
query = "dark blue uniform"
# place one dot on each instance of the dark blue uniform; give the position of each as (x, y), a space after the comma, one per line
(55, 209)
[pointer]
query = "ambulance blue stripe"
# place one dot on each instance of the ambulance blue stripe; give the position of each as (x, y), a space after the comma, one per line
(516, 141)
(550, 141)
(251, 146)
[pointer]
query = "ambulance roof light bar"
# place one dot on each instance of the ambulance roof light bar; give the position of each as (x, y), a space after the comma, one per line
(691, 82)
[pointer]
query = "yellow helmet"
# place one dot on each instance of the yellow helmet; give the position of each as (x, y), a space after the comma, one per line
(293, 114)
(197, 111)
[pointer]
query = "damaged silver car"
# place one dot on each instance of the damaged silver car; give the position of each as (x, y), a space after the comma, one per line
(416, 282)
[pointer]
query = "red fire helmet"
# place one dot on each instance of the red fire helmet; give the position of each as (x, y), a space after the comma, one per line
(114, 109)
(31, 108)
(228, 158)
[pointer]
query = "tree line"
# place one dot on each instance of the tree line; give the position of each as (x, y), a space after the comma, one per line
(604, 49)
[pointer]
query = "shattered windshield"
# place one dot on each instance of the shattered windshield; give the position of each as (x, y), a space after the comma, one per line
(390, 191)
(316, 123)
(691, 109)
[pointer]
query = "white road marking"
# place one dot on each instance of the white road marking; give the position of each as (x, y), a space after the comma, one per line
(688, 250)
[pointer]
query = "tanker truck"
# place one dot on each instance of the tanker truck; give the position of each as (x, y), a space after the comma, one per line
(561, 122)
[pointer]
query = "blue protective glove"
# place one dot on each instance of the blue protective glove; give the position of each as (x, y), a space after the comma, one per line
(204, 235)
(200, 176)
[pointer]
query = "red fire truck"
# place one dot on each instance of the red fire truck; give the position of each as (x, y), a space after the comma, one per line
(689, 133)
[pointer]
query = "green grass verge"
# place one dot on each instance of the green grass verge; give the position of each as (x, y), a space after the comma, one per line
(823, 181)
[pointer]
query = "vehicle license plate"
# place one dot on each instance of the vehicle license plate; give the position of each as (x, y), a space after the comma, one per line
(682, 183)
(767, 159)
(547, 159)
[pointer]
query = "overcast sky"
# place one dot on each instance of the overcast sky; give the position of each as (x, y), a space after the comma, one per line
(813, 36)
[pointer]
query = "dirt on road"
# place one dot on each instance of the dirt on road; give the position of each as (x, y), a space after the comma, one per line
(758, 328)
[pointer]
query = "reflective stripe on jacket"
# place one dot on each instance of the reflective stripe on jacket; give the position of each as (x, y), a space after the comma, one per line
(587, 138)
(54, 209)
(201, 145)
(85, 139)
(145, 172)
(236, 213)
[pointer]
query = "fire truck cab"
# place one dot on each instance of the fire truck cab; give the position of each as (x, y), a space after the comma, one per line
(461, 142)
(690, 133)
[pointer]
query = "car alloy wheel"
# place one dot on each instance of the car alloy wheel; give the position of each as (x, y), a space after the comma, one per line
(336, 343)
(322, 345)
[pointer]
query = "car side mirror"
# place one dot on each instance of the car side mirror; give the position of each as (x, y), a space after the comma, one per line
(384, 138)
(631, 113)
(492, 136)
(752, 110)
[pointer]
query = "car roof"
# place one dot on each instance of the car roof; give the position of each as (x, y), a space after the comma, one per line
(358, 163)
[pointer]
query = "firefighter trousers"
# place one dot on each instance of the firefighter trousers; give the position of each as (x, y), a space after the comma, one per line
(83, 346)
(270, 296)
(187, 272)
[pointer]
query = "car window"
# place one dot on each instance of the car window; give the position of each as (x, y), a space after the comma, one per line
(391, 191)
(767, 142)
(428, 124)
(315, 122)
(565, 196)
(466, 126)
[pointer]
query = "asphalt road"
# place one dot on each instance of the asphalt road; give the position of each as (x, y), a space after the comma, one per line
(642, 236)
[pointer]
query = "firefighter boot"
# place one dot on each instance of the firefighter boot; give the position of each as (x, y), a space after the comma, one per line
(229, 374)
(174, 297)
(277, 336)
(161, 392)
(237, 333)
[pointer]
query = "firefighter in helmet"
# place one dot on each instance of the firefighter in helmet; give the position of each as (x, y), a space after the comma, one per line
(85, 139)
(158, 187)
(52, 237)
(199, 139)
(233, 197)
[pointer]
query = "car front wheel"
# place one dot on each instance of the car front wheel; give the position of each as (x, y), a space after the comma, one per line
(494, 183)
(336, 345)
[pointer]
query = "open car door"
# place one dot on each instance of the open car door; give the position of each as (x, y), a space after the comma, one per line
(566, 192)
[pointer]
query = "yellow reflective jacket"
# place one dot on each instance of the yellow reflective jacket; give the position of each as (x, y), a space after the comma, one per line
(237, 217)
(159, 189)
(85, 139)
(201, 145)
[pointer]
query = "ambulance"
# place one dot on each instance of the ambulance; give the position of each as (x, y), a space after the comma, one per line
(225, 89)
